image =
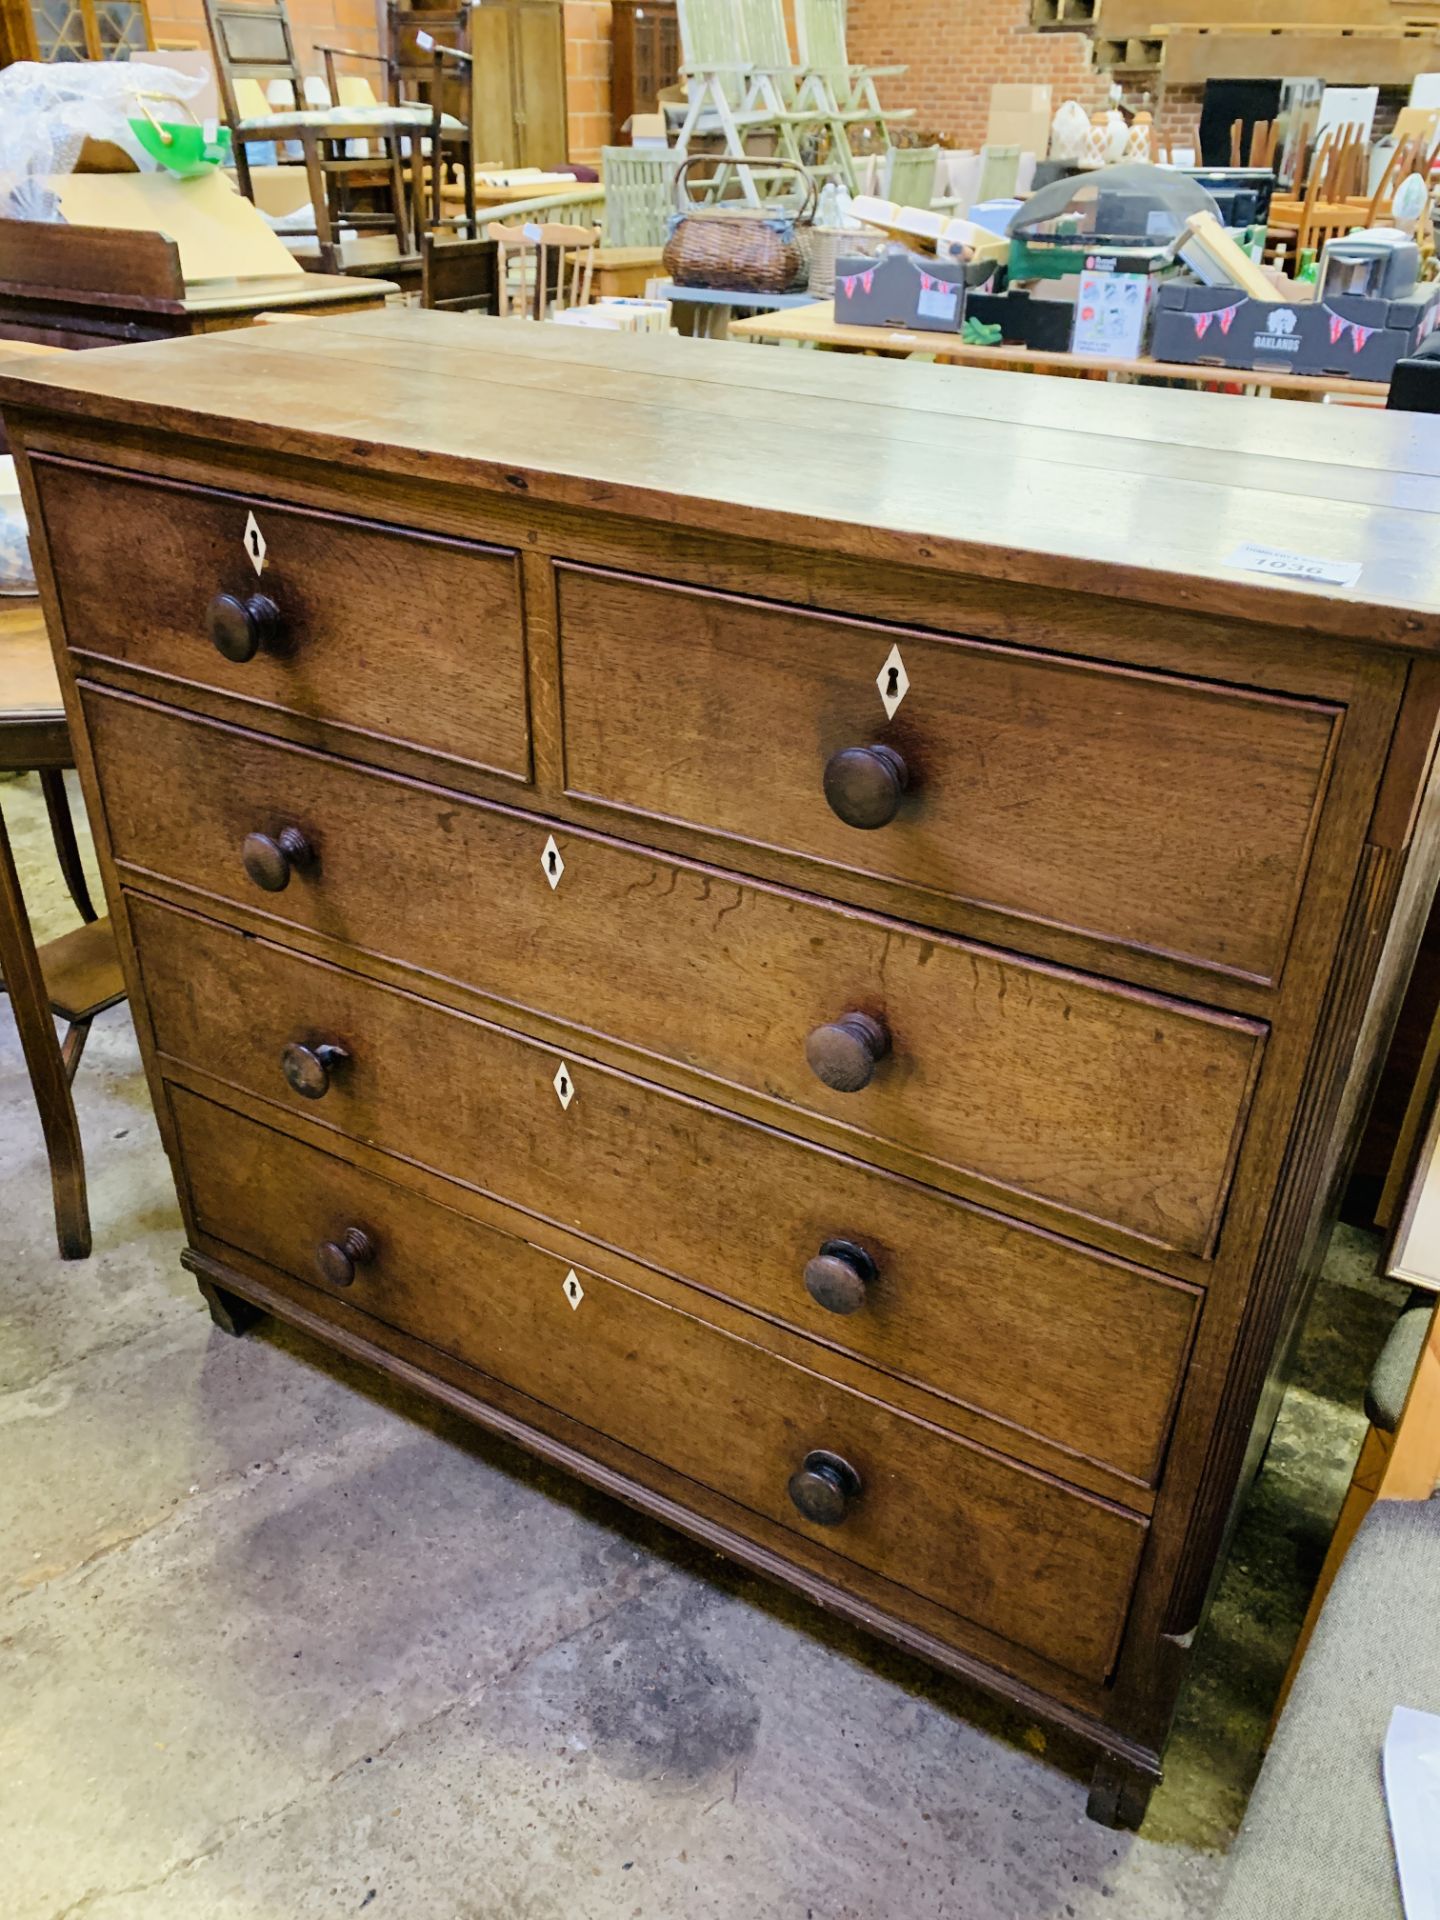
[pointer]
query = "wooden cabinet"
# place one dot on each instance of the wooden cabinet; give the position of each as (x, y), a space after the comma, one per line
(645, 57)
(824, 996)
(519, 83)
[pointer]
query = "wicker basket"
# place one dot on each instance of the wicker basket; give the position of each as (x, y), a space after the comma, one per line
(829, 243)
(748, 249)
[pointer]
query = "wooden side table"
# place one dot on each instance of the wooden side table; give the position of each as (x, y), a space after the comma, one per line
(77, 975)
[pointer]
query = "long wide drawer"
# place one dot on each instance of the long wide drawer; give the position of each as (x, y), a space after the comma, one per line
(1014, 1552)
(1085, 1352)
(394, 635)
(1115, 1105)
(1153, 811)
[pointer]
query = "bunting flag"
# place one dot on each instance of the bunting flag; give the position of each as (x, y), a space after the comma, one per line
(1339, 326)
(1225, 316)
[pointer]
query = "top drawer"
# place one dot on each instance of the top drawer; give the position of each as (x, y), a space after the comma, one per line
(1155, 812)
(397, 636)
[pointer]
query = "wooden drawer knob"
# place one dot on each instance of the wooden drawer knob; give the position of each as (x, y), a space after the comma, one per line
(865, 785)
(270, 863)
(845, 1053)
(338, 1259)
(824, 1487)
(308, 1069)
(836, 1279)
(240, 628)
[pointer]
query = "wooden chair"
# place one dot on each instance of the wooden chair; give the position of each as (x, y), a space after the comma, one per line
(908, 176)
(639, 185)
(542, 267)
(418, 47)
(727, 96)
(77, 975)
(999, 172)
(775, 86)
(816, 116)
(833, 82)
(252, 43)
(458, 276)
(1410, 156)
(1264, 136)
(1299, 227)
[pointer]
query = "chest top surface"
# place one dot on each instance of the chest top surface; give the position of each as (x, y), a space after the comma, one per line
(1136, 493)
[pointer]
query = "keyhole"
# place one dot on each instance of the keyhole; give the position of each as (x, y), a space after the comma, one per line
(550, 860)
(892, 682)
(254, 542)
(564, 1087)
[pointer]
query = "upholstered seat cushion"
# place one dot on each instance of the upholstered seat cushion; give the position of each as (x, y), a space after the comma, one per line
(1315, 1843)
(276, 126)
(1399, 1357)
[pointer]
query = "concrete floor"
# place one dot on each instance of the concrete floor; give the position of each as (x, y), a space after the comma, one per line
(277, 1641)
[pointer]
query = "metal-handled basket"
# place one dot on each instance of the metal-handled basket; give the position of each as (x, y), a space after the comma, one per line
(829, 244)
(763, 249)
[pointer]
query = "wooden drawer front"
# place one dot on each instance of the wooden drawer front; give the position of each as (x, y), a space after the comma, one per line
(1083, 1351)
(1155, 812)
(1116, 1105)
(1010, 1550)
(397, 636)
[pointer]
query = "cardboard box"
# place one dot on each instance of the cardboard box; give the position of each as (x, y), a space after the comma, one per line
(1112, 312)
(1349, 334)
(1020, 117)
(646, 130)
(900, 289)
(218, 232)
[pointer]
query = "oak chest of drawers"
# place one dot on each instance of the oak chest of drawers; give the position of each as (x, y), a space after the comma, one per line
(797, 936)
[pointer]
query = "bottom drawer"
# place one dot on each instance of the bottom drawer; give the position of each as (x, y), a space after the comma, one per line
(1041, 1565)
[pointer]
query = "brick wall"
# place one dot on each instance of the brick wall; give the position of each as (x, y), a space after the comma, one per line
(957, 50)
(336, 23)
(587, 76)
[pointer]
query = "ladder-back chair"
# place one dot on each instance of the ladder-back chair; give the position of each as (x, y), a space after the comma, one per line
(424, 51)
(252, 42)
(552, 266)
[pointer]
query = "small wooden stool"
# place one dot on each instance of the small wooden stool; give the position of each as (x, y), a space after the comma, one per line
(78, 975)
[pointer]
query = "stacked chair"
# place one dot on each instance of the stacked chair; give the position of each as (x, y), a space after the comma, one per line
(1336, 198)
(743, 85)
(844, 91)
